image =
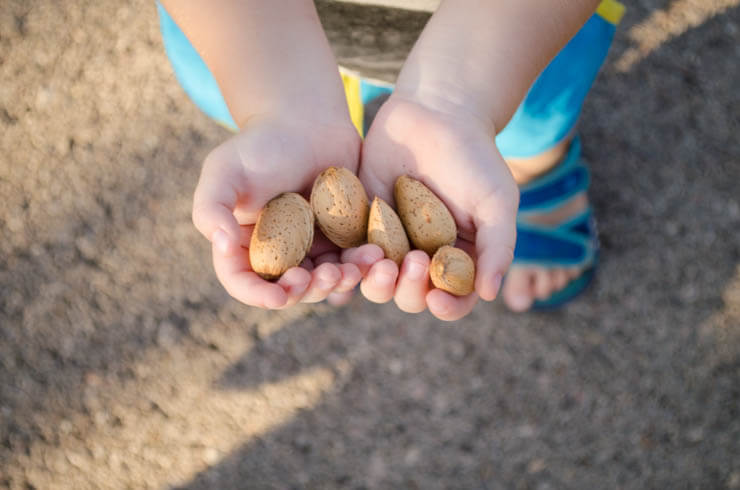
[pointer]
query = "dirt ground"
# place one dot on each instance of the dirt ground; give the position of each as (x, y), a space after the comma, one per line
(123, 363)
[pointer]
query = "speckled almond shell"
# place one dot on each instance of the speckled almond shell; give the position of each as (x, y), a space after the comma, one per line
(453, 270)
(429, 224)
(385, 230)
(282, 236)
(341, 207)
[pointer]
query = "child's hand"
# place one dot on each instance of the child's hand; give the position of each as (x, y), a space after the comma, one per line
(269, 156)
(455, 156)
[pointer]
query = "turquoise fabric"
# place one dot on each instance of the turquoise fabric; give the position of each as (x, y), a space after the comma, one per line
(551, 108)
(370, 90)
(191, 71)
(545, 117)
(571, 243)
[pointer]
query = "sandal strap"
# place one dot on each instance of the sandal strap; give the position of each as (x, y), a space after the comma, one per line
(550, 191)
(573, 243)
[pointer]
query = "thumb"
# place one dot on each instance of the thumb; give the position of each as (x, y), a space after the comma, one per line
(214, 202)
(375, 174)
(495, 238)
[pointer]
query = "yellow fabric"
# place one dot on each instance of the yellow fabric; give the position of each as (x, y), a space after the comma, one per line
(354, 100)
(611, 11)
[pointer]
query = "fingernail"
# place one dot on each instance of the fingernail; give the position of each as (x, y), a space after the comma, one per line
(221, 241)
(442, 310)
(414, 270)
(325, 284)
(384, 279)
(368, 259)
(293, 281)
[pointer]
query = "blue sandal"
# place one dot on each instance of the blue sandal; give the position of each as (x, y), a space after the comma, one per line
(573, 243)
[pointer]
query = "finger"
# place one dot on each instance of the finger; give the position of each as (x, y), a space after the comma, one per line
(448, 307)
(495, 238)
(364, 257)
(294, 282)
(243, 284)
(380, 282)
(324, 279)
(413, 283)
(214, 201)
(340, 299)
(329, 257)
(375, 185)
(351, 277)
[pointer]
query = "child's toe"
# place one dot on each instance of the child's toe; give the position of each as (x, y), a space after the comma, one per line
(517, 289)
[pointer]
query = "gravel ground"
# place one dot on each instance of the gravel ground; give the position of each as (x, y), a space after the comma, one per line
(123, 364)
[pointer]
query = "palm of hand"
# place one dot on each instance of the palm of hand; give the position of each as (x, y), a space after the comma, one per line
(270, 157)
(457, 158)
(266, 158)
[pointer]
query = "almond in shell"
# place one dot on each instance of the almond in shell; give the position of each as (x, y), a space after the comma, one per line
(282, 236)
(453, 270)
(340, 204)
(428, 223)
(384, 229)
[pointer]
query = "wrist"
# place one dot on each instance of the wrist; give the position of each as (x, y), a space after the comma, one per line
(448, 100)
(317, 107)
(482, 60)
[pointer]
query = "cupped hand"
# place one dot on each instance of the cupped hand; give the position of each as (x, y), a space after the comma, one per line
(454, 154)
(267, 157)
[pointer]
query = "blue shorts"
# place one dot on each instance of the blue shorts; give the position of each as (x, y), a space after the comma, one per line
(546, 116)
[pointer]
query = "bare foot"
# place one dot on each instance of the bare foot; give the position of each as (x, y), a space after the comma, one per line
(525, 284)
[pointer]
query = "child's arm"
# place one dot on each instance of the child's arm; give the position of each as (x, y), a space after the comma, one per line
(480, 57)
(470, 68)
(279, 78)
(267, 56)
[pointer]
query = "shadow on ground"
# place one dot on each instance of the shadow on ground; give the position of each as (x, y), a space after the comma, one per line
(122, 363)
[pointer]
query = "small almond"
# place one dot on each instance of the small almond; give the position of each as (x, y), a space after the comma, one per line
(425, 217)
(384, 229)
(340, 204)
(282, 236)
(453, 270)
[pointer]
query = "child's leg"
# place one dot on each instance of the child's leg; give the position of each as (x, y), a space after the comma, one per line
(538, 136)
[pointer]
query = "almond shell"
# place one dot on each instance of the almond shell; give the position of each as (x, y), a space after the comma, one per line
(384, 229)
(282, 236)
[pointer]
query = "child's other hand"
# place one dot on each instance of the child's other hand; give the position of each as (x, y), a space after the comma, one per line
(269, 156)
(456, 157)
